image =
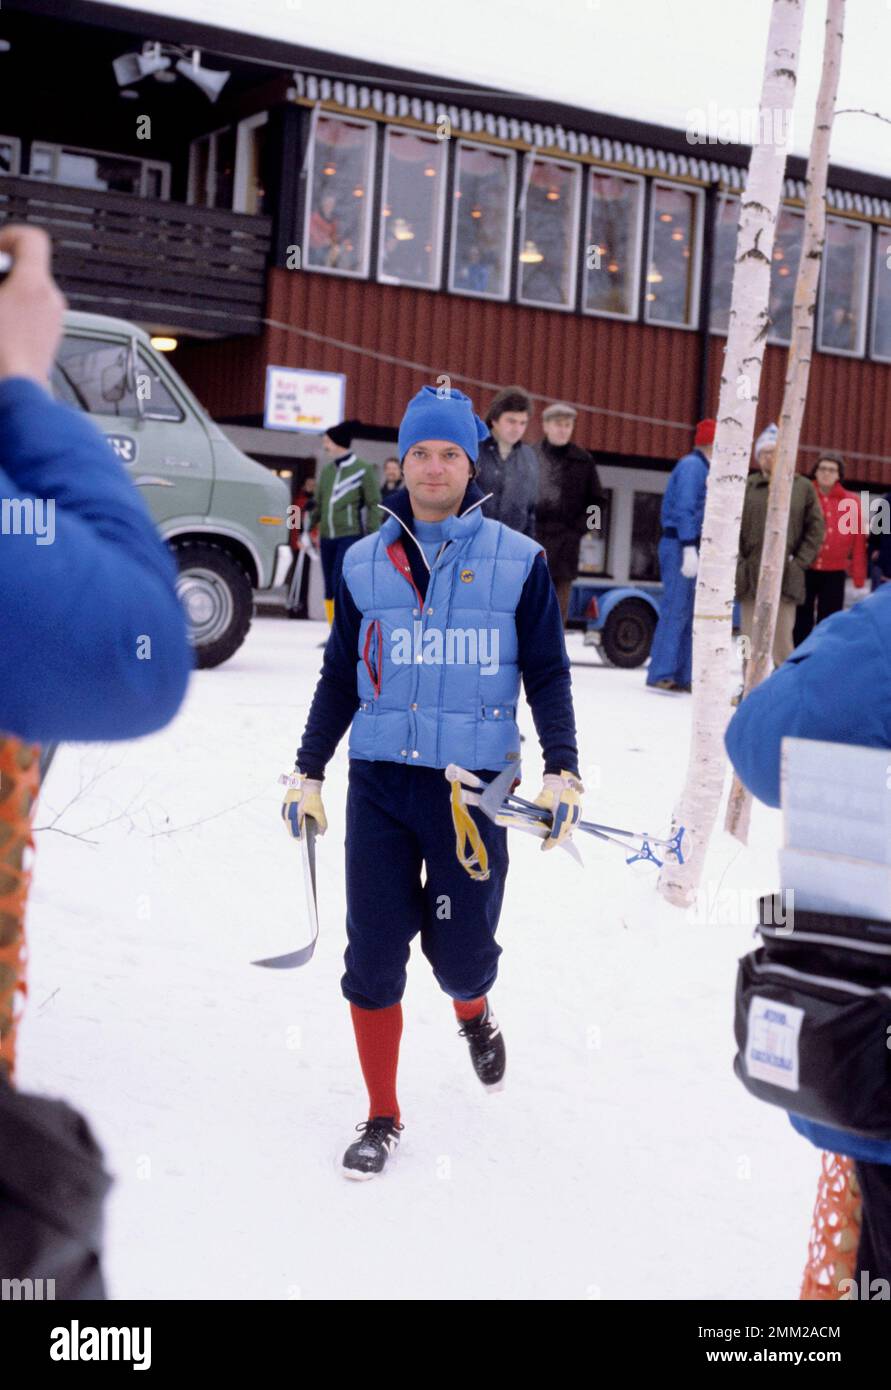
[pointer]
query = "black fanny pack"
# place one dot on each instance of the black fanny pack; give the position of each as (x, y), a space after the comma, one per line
(813, 1017)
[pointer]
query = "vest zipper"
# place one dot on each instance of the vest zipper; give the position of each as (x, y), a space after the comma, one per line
(425, 602)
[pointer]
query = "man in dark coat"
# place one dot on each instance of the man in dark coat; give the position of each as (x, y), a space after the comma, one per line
(568, 491)
(804, 539)
(507, 468)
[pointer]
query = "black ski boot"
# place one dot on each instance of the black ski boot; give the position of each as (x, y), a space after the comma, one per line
(486, 1048)
(368, 1156)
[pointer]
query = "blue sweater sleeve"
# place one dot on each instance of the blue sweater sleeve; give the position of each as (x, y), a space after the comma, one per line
(336, 696)
(93, 641)
(836, 687)
(545, 667)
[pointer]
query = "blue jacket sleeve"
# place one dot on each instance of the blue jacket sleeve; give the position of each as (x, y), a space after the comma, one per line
(687, 500)
(545, 667)
(93, 641)
(336, 696)
(836, 687)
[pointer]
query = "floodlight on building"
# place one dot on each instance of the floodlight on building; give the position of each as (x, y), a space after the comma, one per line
(161, 343)
(157, 60)
(133, 67)
(210, 81)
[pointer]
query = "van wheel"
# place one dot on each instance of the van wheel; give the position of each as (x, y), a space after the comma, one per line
(218, 598)
(628, 633)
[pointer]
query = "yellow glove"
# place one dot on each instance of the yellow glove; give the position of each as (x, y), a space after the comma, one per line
(561, 795)
(303, 798)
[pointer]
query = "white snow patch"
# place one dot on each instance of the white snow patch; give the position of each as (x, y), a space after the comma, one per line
(623, 1159)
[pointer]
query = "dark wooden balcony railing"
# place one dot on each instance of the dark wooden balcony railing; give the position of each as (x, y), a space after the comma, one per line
(188, 268)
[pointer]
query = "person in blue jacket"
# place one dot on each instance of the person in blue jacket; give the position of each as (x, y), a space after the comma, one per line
(683, 507)
(93, 641)
(835, 687)
(437, 618)
(93, 645)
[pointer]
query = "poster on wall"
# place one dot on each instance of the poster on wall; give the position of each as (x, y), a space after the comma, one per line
(302, 400)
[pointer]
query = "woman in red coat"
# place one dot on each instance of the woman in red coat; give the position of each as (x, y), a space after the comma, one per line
(843, 551)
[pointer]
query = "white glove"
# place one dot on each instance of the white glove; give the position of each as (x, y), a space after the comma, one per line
(690, 562)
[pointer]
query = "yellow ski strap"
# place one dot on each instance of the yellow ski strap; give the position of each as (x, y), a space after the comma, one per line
(477, 863)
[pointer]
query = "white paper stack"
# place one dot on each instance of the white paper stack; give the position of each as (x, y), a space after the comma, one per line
(836, 853)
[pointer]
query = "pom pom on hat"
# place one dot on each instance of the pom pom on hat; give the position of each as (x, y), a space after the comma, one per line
(705, 432)
(767, 439)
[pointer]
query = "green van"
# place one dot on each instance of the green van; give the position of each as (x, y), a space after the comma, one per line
(223, 515)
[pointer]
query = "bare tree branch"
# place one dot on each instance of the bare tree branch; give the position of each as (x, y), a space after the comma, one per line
(859, 111)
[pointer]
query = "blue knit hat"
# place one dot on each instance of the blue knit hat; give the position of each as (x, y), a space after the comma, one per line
(438, 414)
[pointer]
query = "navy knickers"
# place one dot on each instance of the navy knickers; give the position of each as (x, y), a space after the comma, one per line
(397, 819)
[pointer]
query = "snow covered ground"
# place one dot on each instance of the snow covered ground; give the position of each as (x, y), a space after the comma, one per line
(623, 1159)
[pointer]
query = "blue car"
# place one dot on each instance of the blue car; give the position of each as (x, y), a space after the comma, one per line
(619, 619)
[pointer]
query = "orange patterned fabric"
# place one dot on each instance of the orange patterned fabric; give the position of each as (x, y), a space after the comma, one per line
(835, 1230)
(19, 781)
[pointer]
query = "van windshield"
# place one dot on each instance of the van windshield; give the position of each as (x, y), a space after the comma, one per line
(92, 374)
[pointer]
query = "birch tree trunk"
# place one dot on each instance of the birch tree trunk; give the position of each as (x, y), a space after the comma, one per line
(697, 807)
(798, 368)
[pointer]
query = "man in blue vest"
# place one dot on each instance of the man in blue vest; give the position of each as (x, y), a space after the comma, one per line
(438, 616)
(683, 507)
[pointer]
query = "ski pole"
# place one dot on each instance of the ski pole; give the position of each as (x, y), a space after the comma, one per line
(494, 795)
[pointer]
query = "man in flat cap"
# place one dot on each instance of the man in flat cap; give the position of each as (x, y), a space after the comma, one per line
(568, 491)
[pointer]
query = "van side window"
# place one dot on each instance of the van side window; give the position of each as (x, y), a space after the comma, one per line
(92, 373)
(159, 404)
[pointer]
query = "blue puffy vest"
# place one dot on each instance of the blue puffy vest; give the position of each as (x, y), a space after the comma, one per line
(438, 678)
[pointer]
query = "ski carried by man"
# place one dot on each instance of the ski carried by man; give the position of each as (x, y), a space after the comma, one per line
(438, 616)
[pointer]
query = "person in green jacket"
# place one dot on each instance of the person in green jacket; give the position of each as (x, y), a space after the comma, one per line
(804, 539)
(345, 486)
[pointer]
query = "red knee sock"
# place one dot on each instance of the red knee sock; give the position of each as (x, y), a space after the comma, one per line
(378, 1032)
(467, 1009)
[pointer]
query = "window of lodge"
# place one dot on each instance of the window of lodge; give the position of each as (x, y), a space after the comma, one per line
(410, 246)
(674, 255)
(783, 271)
(613, 245)
(337, 223)
(881, 315)
(844, 287)
(549, 234)
(482, 220)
